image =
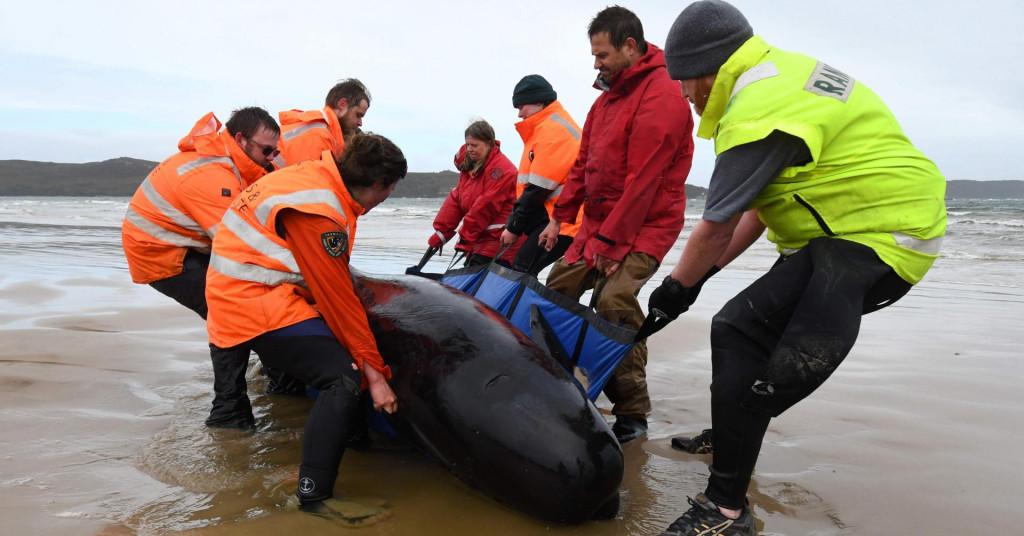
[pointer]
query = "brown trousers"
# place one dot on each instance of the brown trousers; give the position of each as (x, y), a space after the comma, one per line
(617, 303)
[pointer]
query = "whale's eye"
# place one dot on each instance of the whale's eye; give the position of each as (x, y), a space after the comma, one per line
(494, 381)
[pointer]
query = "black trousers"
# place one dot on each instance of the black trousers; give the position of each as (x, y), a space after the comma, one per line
(778, 340)
(189, 287)
(532, 258)
(309, 352)
(231, 407)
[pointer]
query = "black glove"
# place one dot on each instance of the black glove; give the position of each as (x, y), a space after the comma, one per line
(668, 301)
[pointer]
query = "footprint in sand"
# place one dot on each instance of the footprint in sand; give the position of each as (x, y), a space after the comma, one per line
(794, 501)
(78, 323)
(350, 512)
(29, 293)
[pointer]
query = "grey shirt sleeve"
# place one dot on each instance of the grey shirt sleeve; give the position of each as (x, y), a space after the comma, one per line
(743, 171)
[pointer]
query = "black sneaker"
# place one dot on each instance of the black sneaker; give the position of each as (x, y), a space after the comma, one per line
(698, 444)
(629, 427)
(704, 519)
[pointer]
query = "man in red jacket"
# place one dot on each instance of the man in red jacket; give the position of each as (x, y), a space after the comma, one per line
(630, 178)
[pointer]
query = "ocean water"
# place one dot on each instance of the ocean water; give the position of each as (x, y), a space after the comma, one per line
(47, 236)
(104, 386)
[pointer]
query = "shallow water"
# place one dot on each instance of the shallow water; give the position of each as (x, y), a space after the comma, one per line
(104, 386)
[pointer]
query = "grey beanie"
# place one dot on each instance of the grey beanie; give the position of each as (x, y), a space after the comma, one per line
(533, 89)
(703, 37)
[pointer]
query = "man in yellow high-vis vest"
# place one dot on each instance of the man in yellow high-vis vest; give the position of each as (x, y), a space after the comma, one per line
(856, 211)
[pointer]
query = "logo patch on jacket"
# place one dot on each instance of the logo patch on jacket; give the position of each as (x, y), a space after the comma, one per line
(531, 155)
(830, 82)
(495, 173)
(335, 243)
(225, 192)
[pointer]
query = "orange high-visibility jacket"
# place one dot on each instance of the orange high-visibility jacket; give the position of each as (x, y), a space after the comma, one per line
(306, 135)
(177, 207)
(254, 284)
(551, 142)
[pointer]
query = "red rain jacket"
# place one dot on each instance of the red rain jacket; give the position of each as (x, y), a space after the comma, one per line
(482, 201)
(630, 174)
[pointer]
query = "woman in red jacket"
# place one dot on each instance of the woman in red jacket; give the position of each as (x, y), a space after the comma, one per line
(482, 199)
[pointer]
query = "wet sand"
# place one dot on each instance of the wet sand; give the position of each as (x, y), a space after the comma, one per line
(104, 386)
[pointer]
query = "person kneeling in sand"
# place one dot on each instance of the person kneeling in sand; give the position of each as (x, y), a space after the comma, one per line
(173, 216)
(279, 282)
(857, 213)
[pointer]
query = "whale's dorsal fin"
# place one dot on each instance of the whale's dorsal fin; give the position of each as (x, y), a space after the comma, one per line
(542, 334)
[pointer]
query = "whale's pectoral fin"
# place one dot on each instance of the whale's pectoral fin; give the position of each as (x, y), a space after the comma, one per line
(542, 334)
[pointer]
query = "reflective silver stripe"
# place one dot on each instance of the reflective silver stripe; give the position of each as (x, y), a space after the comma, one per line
(441, 236)
(256, 240)
(168, 209)
(495, 226)
(202, 161)
(557, 192)
(542, 181)
(754, 74)
(163, 235)
(523, 179)
(788, 251)
(279, 161)
(568, 126)
(292, 133)
(928, 247)
(302, 197)
(252, 272)
(212, 231)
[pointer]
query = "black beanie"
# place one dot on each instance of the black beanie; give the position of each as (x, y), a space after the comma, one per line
(533, 89)
(703, 37)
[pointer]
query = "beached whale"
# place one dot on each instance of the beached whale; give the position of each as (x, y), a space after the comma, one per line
(490, 404)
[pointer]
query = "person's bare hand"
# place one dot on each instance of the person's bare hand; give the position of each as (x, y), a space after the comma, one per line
(549, 236)
(384, 398)
(606, 265)
(508, 238)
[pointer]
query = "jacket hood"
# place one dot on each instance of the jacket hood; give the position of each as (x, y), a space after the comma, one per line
(203, 137)
(208, 139)
(289, 117)
(528, 125)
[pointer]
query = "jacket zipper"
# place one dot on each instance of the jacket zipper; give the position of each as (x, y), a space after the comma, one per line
(821, 221)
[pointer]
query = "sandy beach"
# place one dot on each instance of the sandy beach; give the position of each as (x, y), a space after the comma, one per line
(104, 386)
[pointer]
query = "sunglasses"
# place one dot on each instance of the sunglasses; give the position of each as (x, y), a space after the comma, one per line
(268, 150)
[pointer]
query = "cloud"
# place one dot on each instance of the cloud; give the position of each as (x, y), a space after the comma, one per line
(137, 75)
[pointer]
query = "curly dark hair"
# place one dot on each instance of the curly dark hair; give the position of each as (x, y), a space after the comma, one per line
(371, 159)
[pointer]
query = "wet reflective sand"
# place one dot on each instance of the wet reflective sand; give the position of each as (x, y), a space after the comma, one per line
(104, 386)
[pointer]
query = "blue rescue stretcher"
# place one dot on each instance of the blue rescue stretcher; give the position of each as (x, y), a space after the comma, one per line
(574, 334)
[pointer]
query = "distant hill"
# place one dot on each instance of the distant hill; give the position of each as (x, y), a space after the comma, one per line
(116, 177)
(420, 184)
(120, 177)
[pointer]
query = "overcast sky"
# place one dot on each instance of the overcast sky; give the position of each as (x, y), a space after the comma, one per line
(85, 81)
